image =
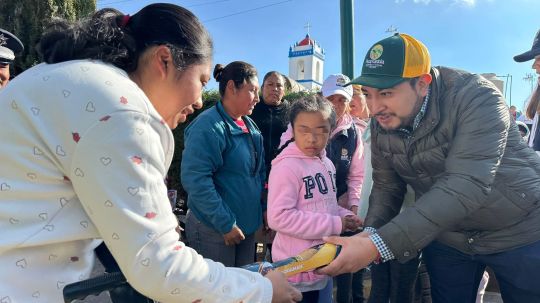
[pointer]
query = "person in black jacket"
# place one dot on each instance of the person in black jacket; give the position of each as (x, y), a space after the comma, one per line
(270, 115)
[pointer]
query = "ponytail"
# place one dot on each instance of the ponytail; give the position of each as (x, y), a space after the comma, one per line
(282, 147)
(119, 39)
(218, 71)
(237, 71)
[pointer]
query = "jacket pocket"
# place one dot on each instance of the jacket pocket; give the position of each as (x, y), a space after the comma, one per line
(501, 211)
(526, 201)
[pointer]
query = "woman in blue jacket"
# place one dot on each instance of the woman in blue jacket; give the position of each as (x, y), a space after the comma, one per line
(223, 170)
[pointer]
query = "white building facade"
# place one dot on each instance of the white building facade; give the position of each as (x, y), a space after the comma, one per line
(306, 63)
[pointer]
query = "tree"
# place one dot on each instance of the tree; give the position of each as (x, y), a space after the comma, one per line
(27, 20)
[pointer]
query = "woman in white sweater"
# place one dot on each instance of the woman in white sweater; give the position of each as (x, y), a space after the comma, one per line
(86, 144)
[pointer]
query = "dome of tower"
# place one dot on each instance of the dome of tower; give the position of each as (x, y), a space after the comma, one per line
(306, 41)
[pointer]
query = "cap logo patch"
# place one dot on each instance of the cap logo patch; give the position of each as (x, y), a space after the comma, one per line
(374, 54)
(340, 81)
(344, 154)
(3, 39)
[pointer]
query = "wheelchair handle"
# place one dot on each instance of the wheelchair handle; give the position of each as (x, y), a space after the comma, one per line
(94, 286)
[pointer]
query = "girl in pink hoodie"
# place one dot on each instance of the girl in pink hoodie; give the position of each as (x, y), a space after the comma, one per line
(302, 204)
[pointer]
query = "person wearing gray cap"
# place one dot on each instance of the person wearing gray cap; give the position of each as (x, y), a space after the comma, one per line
(9, 46)
(533, 107)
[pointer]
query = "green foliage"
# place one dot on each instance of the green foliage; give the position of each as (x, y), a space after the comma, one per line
(295, 96)
(27, 20)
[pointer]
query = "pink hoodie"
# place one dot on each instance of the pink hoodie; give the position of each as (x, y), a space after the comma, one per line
(356, 171)
(302, 206)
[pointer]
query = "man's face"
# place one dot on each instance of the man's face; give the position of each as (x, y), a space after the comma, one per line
(4, 75)
(397, 106)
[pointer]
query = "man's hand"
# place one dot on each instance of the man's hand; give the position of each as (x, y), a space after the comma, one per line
(282, 291)
(357, 252)
(235, 236)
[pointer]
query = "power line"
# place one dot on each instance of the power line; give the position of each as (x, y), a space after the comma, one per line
(246, 11)
(213, 2)
(115, 2)
(201, 4)
(193, 5)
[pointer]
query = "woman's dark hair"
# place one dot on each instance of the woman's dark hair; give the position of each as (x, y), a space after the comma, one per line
(237, 71)
(314, 103)
(119, 39)
(534, 104)
(271, 73)
(286, 82)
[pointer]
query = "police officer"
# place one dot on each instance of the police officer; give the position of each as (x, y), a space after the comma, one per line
(9, 46)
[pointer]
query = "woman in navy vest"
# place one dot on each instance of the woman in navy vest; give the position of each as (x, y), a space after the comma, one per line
(345, 149)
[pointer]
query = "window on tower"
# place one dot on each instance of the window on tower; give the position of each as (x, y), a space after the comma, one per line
(318, 77)
(301, 72)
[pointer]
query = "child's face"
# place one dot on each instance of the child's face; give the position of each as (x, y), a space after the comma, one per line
(311, 133)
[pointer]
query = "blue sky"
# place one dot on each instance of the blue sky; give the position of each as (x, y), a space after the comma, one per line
(480, 36)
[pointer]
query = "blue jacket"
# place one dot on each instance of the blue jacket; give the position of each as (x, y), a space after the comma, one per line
(223, 171)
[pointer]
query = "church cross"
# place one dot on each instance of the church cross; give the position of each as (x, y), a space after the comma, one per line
(308, 27)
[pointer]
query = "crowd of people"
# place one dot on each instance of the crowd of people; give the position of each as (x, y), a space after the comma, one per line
(407, 166)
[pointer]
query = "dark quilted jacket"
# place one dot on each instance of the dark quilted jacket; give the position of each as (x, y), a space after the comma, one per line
(477, 183)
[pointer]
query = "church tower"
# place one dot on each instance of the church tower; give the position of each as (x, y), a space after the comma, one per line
(306, 62)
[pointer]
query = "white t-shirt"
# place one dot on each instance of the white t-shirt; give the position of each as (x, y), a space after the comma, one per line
(83, 157)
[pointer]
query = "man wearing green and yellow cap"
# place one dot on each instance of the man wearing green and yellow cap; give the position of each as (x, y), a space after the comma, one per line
(448, 134)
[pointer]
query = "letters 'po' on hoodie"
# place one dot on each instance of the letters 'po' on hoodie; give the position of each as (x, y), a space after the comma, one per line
(302, 206)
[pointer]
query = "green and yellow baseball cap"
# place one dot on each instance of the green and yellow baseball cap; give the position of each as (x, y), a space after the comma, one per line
(394, 60)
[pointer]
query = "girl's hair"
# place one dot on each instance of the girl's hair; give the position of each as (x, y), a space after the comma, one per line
(237, 71)
(313, 103)
(119, 39)
(534, 103)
